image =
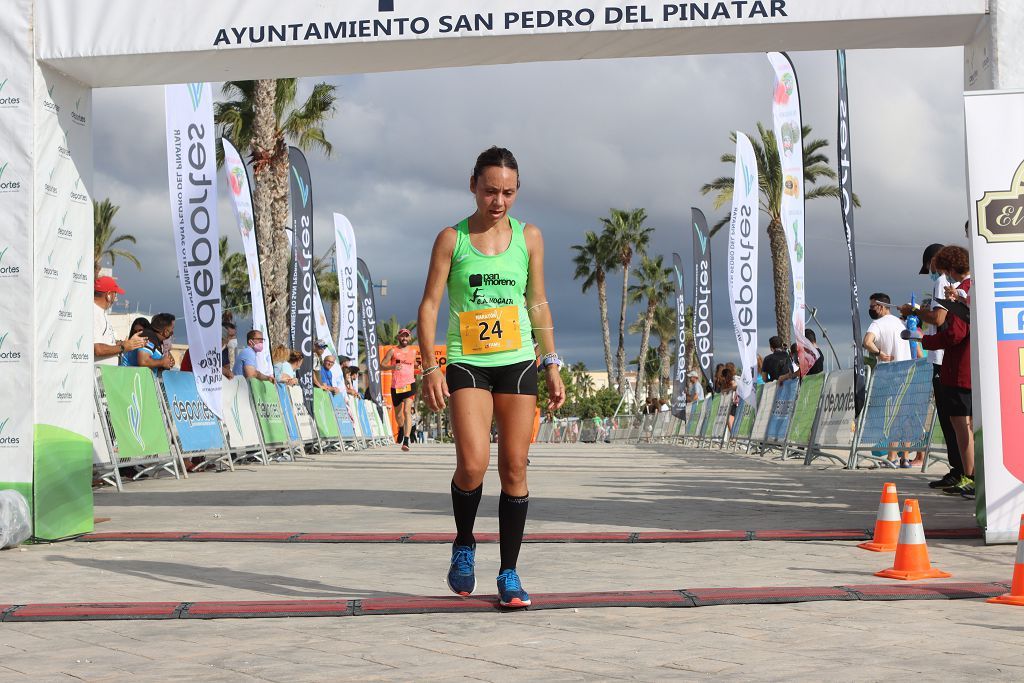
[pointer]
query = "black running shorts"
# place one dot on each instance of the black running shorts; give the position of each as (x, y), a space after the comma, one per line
(955, 402)
(396, 399)
(518, 378)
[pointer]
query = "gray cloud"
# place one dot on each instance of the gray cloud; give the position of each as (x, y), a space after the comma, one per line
(590, 136)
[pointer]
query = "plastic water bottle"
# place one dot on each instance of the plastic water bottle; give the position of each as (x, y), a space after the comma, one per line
(913, 323)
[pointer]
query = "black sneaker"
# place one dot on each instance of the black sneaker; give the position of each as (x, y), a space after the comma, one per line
(950, 479)
(968, 493)
(961, 486)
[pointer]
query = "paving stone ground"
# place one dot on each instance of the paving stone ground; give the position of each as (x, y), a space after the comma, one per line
(573, 488)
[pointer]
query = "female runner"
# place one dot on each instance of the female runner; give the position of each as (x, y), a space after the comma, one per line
(493, 267)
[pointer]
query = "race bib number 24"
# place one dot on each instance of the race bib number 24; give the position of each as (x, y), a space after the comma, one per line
(490, 330)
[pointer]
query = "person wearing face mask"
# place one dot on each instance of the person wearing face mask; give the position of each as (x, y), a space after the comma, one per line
(882, 339)
(246, 363)
(933, 319)
(106, 348)
(153, 353)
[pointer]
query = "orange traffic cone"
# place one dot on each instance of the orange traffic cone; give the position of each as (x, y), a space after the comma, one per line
(912, 551)
(887, 522)
(1016, 594)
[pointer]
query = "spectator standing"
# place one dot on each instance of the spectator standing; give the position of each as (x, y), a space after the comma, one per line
(819, 364)
(352, 381)
(777, 365)
(883, 338)
(152, 354)
(933, 317)
(106, 349)
(955, 373)
(326, 376)
(286, 362)
(246, 364)
(694, 392)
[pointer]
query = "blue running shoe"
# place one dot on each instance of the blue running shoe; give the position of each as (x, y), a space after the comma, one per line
(461, 578)
(510, 590)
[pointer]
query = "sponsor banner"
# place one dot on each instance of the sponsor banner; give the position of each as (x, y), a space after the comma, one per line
(679, 381)
(789, 137)
(742, 262)
(240, 192)
(62, 297)
(369, 316)
(846, 206)
(353, 414)
(302, 416)
(301, 331)
(323, 413)
(267, 405)
(695, 416)
(192, 181)
(240, 420)
(703, 309)
(744, 424)
(711, 414)
(781, 411)
(722, 416)
(290, 420)
(134, 409)
(345, 427)
(837, 416)
(363, 414)
(190, 29)
(345, 246)
(806, 409)
(17, 336)
(198, 427)
(898, 413)
(763, 412)
(995, 160)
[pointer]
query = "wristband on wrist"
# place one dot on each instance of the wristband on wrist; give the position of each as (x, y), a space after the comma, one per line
(431, 369)
(551, 359)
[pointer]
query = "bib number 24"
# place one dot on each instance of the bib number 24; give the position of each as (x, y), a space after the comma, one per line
(490, 330)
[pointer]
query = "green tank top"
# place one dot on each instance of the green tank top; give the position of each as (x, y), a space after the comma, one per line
(487, 302)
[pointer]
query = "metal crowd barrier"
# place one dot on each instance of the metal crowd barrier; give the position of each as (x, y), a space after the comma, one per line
(148, 424)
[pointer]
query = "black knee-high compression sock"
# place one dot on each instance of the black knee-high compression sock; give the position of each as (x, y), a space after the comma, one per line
(464, 505)
(511, 523)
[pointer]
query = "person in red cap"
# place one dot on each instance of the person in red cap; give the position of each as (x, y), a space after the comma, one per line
(401, 361)
(106, 348)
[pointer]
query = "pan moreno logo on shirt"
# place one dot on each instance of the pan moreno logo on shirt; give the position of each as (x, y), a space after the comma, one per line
(479, 282)
(1001, 213)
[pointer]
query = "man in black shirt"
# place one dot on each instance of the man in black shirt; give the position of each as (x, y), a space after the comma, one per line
(819, 365)
(777, 365)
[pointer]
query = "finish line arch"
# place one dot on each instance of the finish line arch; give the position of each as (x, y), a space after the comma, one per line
(56, 51)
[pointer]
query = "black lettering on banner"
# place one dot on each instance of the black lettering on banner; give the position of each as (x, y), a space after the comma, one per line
(201, 251)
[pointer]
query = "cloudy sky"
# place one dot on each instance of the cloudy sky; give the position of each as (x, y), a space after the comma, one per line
(589, 136)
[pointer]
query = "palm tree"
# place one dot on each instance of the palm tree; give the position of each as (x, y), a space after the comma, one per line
(262, 117)
(816, 167)
(655, 285)
(104, 242)
(581, 379)
(327, 282)
(594, 259)
(234, 281)
(627, 236)
(666, 328)
(387, 331)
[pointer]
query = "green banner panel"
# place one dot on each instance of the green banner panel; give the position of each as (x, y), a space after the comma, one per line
(63, 484)
(268, 412)
(134, 411)
(323, 413)
(709, 420)
(806, 409)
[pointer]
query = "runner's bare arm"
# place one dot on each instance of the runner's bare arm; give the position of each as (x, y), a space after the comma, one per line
(539, 310)
(435, 389)
(386, 364)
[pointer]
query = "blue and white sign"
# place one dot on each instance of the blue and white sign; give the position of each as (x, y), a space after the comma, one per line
(341, 413)
(197, 425)
(782, 411)
(899, 410)
(288, 409)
